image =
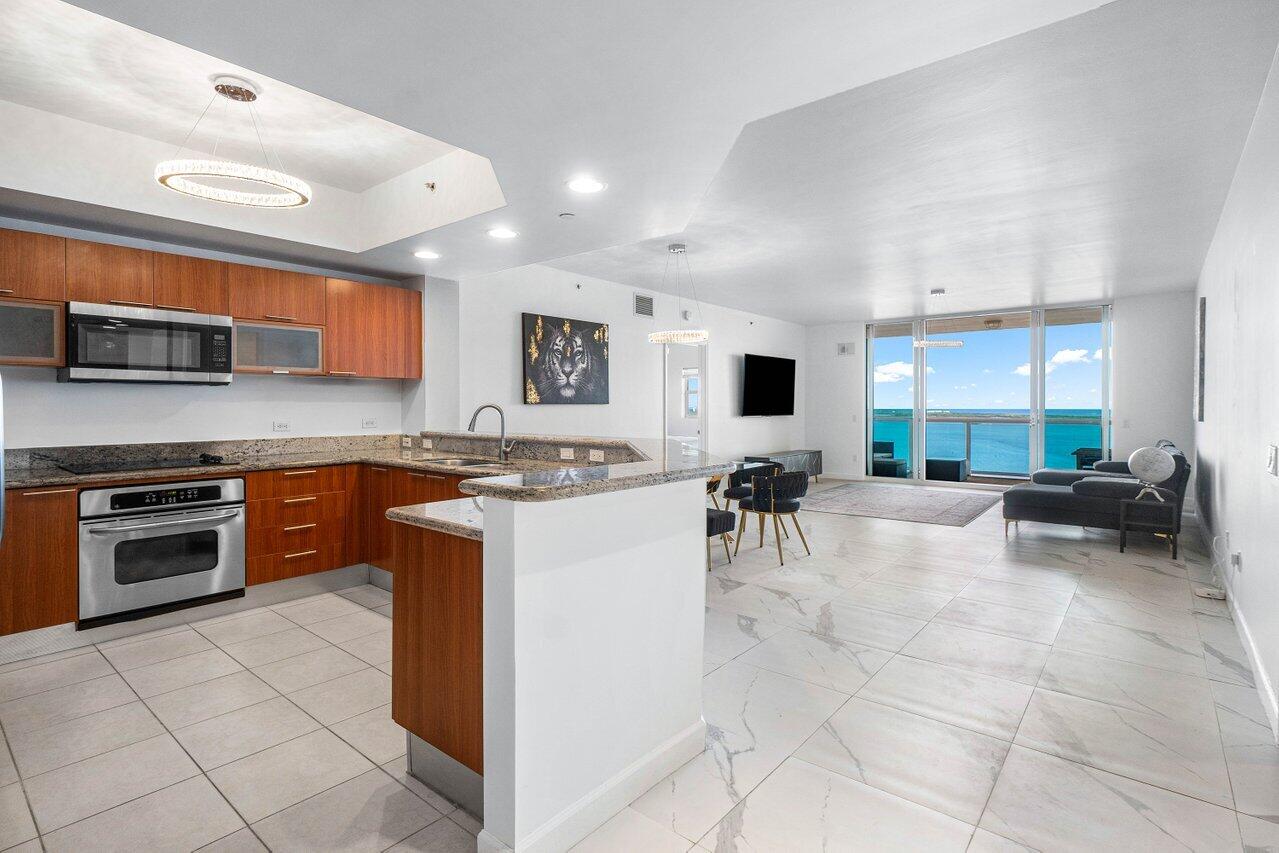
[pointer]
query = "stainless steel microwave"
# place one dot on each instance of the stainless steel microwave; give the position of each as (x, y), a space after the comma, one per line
(115, 343)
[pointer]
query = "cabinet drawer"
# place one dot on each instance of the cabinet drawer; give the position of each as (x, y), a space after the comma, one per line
(297, 482)
(291, 538)
(277, 512)
(293, 564)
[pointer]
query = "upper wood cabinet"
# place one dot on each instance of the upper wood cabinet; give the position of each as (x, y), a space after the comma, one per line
(31, 333)
(106, 274)
(258, 293)
(32, 266)
(39, 559)
(184, 283)
(373, 331)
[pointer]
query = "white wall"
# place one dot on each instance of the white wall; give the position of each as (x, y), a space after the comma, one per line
(1153, 353)
(1239, 500)
(491, 361)
(837, 398)
(432, 403)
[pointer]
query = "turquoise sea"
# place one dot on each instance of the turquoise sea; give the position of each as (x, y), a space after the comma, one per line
(997, 448)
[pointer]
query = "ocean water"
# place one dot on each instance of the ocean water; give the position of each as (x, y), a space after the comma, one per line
(997, 448)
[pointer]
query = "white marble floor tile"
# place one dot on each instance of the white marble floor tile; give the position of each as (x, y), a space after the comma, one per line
(210, 699)
(378, 737)
(40, 750)
(956, 564)
(1017, 595)
(1037, 626)
(1162, 692)
(991, 654)
(630, 830)
(276, 778)
(346, 696)
(985, 841)
(1047, 803)
(1046, 578)
(771, 708)
(945, 583)
(876, 628)
(273, 647)
(892, 598)
(1223, 651)
(943, 767)
(805, 807)
(824, 661)
(729, 634)
(63, 796)
(305, 670)
(231, 736)
(1134, 645)
(64, 703)
(980, 703)
(1164, 591)
(16, 825)
(1259, 836)
(370, 812)
(156, 649)
(1139, 615)
(241, 841)
(784, 608)
(50, 676)
(1252, 758)
(1167, 753)
(163, 677)
(184, 816)
(800, 580)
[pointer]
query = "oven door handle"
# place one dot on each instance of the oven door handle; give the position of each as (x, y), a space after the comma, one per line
(105, 531)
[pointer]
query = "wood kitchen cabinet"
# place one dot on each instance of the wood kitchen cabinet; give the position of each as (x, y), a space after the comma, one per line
(373, 330)
(280, 348)
(31, 333)
(300, 521)
(379, 496)
(39, 559)
(109, 275)
(32, 266)
(184, 283)
(259, 293)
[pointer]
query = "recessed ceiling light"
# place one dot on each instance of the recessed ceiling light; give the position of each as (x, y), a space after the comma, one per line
(426, 254)
(503, 233)
(586, 184)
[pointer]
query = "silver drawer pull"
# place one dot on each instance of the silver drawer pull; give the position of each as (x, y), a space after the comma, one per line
(379, 470)
(300, 554)
(5, 290)
(299, 500)
(128, 302)
(107, 531)
(299, 527)
(343, 373)
(427, 476)
(279, 317)
(48, 492)
(176, 307)
(299, 473)
(280, 372)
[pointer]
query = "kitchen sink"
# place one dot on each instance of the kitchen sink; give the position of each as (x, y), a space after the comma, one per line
(464, 463)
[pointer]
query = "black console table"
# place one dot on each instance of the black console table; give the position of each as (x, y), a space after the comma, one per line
(794, 460)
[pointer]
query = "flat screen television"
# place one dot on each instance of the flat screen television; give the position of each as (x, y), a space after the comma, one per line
(768, 386)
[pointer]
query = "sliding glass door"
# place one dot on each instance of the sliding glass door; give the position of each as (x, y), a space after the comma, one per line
(988, 397)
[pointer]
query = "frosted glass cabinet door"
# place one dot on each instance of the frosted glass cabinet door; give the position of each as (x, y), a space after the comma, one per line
(31, 333)
(278, 348)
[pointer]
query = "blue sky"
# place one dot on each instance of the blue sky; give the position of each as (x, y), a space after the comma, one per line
(991, 370)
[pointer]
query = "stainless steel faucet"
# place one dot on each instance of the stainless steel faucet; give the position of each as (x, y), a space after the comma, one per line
(502, 447)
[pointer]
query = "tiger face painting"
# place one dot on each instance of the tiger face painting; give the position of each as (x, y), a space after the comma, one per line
(565, 361)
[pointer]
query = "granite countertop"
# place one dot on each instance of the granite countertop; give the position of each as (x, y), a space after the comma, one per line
(28, 478)
(461, 517)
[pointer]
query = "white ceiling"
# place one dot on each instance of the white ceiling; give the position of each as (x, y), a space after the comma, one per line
(1080, 161)
(61, 59)
(648, 96)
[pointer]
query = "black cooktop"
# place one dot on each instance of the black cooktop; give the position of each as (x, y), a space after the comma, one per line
(123, 465)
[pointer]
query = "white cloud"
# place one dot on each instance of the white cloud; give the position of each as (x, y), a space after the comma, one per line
(893, 371)
(1069, 356)
(1096, 356)
(999, 402)
(987, 370)
(1024, 369)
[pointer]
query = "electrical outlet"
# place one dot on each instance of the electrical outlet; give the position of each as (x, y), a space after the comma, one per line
(426, 444)
(406, 441)
(597, 455)
(420, 454)
(281, 426)
(1236, 561)
(566, 454)
(406, 454)
(1272, 461)
(368, 423)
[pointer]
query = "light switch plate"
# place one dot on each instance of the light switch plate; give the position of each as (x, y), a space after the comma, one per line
(368, 423)
(1272, 461)
(597, 455)
(281, 426)
(566, 454)
(406, 441)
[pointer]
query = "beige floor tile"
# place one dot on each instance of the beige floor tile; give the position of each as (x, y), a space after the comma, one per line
(8, 772)
(318, 609)
(305, 670)
(41, 750)
(374, 734)
(242, 841)
(26, 663)
(50, 676)
(385, 610)
(65, 703)
(344, 697)
(273, 647)
(68, 794)
(256, 624)
(181, 817)
(399, 771)
(350, 626)
(369, 596)
(156, 649)
(180, 672)
(242, 732)
(276, 778)
(368, 813)
(16, 825)
(442, 836)
(372, 649)
(203, 701)
(385, 667)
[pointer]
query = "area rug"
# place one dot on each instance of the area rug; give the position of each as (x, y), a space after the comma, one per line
(951, 507)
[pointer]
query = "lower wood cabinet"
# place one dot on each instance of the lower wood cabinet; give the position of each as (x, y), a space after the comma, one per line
(301, 521)
(388, 486)
(39, 559)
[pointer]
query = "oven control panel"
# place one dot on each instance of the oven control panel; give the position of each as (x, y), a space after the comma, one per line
(166, 497)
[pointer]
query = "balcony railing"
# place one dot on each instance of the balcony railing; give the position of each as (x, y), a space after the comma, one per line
(995, 445)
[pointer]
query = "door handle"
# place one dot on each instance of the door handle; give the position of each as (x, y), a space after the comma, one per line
(106, 531)
(300, 554)
(299, 527)
(299, 500)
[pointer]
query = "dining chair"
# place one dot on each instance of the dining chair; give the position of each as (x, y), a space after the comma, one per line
(777, 496)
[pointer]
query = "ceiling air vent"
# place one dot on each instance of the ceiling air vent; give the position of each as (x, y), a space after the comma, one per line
(643, 305)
